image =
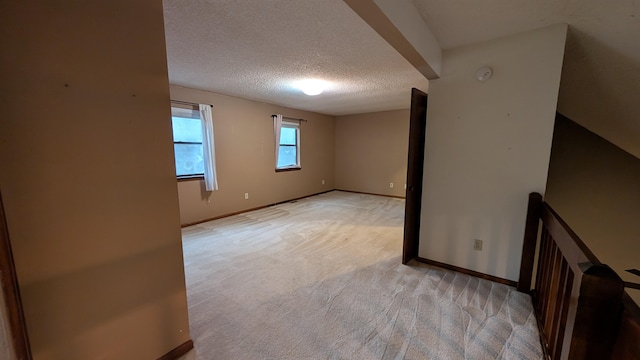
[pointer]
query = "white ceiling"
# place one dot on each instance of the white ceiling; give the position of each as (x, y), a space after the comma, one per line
(255, 49)
(611, 21)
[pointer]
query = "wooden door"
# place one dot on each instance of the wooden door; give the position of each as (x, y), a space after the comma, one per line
(415, 168)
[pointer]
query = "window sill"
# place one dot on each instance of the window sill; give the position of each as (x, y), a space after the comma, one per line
(190, 177)
(288, 169)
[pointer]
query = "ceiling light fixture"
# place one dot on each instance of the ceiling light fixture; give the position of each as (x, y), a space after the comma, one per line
(312, 87)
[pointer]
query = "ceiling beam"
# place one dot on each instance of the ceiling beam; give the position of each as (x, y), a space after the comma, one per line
(400, 24)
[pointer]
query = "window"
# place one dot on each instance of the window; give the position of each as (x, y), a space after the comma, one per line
(289, 149)
(187, 142)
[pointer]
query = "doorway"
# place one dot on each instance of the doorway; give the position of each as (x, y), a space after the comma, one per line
(415, 169)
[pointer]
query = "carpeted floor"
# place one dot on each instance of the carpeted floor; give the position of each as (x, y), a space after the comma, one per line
(321, 278)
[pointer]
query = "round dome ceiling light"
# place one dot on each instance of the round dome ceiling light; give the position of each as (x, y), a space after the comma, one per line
(312, 87)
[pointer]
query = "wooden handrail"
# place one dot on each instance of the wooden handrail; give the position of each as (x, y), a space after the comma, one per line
(565, 236)
(577, 299)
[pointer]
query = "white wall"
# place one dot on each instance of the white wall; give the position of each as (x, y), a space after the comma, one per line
(487, 147)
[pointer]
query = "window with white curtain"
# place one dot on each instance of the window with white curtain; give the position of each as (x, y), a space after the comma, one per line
(187, 142)
(289, 146)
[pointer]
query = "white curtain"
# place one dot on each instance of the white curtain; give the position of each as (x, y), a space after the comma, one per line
(208, 148)
(277, 126)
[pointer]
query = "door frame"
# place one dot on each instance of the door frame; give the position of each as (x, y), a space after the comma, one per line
(11, 293)
(415, 171)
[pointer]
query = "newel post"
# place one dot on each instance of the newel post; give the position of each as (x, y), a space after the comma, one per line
(534, 209)
(598, 313)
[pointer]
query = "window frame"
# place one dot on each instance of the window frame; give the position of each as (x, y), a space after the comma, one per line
(186, 177)
(291, 125)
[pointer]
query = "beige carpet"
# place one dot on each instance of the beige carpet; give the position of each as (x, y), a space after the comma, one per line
(321, 278)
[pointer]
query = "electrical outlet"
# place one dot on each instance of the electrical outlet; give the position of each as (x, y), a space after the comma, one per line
(477, 245)
(322, 181)
(405, 186)
(246, 196)
(391, 185)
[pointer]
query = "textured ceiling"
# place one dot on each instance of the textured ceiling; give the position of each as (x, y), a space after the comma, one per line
(256, 49)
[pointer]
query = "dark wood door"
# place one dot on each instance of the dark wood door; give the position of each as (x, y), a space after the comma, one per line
(415, 167)
(17, 326)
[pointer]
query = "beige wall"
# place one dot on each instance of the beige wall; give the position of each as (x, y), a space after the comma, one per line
(245, 157)
(593, 185)
(602, 100)
(487, 147)
(371, 152)
(88, 178)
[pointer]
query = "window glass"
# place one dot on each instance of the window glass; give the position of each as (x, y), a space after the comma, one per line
(287, 156)
(189, 159)
(288, 136)
(288, 150)
(187, 142)
(186, 129)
